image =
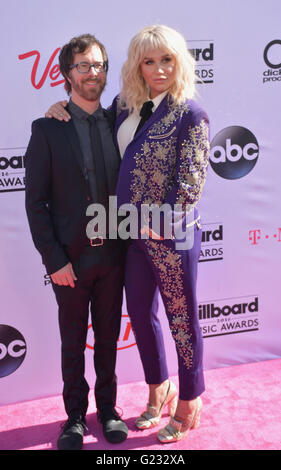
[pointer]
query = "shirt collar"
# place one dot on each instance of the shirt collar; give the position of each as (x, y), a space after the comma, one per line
(79, 113)
(157, 100)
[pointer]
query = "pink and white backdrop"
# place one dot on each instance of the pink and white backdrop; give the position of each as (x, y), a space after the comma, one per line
(237, 47)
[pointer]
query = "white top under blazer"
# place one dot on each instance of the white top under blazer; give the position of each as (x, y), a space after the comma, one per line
(128, 127)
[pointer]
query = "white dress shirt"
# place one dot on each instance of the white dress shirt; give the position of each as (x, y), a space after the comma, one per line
(128, 127)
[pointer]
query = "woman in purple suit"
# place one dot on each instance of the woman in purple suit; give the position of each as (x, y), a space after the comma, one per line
(164, 161)
(164, 146)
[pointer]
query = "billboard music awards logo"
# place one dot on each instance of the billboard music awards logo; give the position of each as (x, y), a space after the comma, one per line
(12, 350)
(234, 152)
(229, 316)
(212, 242)
(12, 169)
(272, 58)
(203, 53)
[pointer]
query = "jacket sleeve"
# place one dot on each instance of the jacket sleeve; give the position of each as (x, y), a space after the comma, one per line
(193, 150)
(188, 179)
(37, 198)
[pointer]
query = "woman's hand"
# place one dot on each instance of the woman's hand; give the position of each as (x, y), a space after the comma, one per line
(151, 234)
(58, 111)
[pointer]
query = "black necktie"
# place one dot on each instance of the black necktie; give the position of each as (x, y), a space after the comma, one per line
(101, 181)
(145, 113)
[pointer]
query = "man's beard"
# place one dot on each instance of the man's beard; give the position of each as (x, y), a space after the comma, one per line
(89, 94)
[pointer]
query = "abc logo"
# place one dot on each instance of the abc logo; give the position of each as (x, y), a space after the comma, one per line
(12, 350)
(234, 152)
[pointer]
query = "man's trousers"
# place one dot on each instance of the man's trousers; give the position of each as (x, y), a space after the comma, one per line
(99, 289)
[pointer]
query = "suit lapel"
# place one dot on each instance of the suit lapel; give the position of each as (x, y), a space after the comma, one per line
(111, 155)
(73, 140)
(160, 111)
(158, 114)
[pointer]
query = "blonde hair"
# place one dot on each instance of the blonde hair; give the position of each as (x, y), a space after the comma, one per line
(134, 90)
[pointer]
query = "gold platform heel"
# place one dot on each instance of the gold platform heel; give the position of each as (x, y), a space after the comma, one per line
(151, 417)
(176, 430)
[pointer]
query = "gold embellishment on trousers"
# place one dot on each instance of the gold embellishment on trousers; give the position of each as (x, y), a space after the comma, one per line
(169, 267)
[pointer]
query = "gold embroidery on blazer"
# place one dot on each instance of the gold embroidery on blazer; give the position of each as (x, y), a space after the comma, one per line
(194, 156)
(151, 175)
(163, 136)
(155, 163)
(174, 112)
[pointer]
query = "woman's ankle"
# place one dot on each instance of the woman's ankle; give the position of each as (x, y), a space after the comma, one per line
(184, 410)
(158, 393)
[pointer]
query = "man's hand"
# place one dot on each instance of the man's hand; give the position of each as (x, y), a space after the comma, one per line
(58, 112)
(64, 276)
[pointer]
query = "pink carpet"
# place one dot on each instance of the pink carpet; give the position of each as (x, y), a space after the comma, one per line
(241, 412)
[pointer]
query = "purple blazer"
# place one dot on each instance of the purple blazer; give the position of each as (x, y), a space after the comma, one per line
(166, 162)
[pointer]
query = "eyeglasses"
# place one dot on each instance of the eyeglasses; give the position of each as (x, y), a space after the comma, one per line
(85, 67)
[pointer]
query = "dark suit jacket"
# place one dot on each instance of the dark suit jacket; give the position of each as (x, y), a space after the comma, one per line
(57, 193)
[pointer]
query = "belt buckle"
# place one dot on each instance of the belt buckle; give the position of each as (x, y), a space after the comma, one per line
(96, 239)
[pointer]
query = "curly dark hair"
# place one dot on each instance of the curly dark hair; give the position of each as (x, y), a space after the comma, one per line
(77, 45)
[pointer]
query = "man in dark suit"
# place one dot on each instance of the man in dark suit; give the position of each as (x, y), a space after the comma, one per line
(70, 165)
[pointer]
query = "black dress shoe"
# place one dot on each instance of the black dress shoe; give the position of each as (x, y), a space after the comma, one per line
(114, 429)
(72, 434)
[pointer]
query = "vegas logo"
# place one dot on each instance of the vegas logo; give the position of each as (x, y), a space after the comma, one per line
(126, 338)
(51, 70)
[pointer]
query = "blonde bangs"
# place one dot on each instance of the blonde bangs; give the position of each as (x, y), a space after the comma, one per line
(134, 90)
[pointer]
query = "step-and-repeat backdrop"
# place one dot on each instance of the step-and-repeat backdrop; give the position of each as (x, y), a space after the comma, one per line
(237, 47)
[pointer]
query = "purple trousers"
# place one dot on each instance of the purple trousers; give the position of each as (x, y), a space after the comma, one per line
(154, 266)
